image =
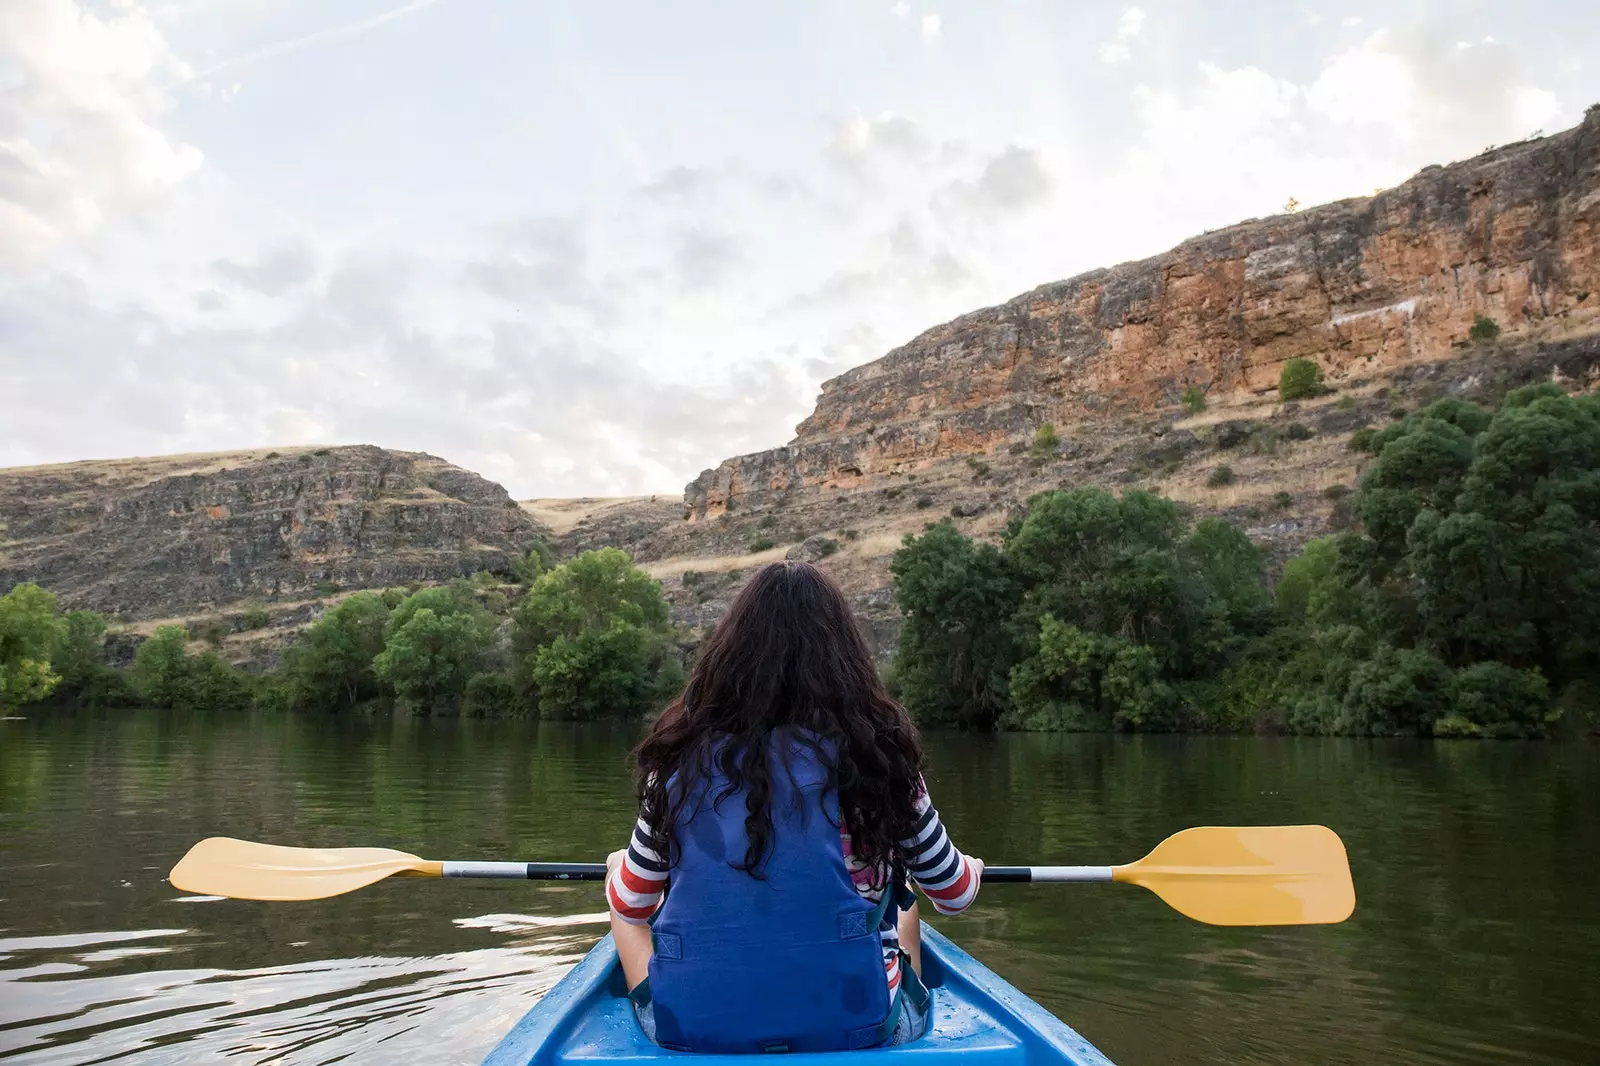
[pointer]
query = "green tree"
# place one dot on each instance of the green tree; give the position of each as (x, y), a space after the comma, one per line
(594, 638)
(29, 629)
(956, 648)
(429, 659)
(1045, 441)
(79, 657)
(435, 640)
(331, 667)
(538, 559)
(1483, 329)
(1194, 398)
(1300, 379)
(164, 674)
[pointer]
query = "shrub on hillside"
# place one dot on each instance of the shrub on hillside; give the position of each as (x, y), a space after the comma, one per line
(1194, 399)
(1484, 329)
(1300, 379)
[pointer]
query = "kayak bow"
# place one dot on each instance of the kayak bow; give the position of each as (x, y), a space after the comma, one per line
(586, 1018)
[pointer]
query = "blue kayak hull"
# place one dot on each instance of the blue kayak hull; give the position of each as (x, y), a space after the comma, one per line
(586, 1019)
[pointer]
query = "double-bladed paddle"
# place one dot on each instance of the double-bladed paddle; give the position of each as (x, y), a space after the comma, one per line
(1221, 875)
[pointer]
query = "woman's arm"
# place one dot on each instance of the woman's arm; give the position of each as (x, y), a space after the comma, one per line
(635, 877)
(635, 881)
(948, 878)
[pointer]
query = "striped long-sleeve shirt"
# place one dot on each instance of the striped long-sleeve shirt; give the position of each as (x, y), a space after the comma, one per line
(947, 877)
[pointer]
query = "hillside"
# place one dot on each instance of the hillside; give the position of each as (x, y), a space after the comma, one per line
(189, 535)
(1381, 292)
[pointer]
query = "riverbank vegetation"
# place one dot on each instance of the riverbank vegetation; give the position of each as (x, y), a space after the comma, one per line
(1468, 603)
(1464, 600)
(590, 638)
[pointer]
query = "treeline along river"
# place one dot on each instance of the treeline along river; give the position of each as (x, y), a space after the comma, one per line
(1474, 940)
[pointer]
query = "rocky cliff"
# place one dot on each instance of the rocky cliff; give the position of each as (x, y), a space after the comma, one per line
(1360, 286)
(151, 538)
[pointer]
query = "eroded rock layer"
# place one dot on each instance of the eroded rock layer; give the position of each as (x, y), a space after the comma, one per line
(151, 538)
(1359, 286)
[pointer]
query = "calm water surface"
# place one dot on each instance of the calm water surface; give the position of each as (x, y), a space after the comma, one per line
(1476, 937)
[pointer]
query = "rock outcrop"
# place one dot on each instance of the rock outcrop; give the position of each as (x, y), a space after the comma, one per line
(1360, 286)
(151, 538)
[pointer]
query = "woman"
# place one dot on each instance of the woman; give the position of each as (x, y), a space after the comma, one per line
(781, 797)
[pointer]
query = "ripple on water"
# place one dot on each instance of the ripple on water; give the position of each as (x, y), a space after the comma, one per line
(108, 1003)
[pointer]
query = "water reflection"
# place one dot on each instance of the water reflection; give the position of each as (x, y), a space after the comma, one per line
(446, 1008)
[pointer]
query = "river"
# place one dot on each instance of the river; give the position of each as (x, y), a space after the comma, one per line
(1476, 936)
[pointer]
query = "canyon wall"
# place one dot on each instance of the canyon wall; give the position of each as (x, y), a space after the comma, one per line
(1360, 286)
(151, 538)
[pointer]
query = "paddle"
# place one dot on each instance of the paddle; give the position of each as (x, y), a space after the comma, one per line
(1245, 875)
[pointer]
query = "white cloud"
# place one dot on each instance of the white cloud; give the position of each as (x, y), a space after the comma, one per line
(1431, 92)
(1117, 49)
(931, 25)
(901, 9)
(78, 144)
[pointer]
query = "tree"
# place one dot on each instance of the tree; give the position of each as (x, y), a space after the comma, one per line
(332, 667)
(1472, 592)
(1097, 612)
(1194, 399)
(594, 638)
(956, 648)
(602, 673)
(1300, 379)
(1483, 329)
(1045, 441)
(539, 559)
(434, 641)
(429, 659)
(79, 657)
(166, 675)
(28, 633)
(1081, 680)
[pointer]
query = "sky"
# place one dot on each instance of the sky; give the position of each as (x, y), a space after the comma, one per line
(594, 247)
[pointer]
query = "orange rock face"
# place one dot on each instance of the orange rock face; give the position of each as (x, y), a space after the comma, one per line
(1357, 286)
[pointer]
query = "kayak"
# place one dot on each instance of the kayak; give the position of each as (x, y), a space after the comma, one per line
(587, 1019)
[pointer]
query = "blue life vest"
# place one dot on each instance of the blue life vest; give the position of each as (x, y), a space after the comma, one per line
(791, 961)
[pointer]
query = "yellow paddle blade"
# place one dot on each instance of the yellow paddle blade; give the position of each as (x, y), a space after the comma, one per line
(1250, 875)
(242, 869)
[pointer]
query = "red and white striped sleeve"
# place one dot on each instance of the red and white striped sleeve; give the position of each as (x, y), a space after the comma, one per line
(946, 876)
(634, 889)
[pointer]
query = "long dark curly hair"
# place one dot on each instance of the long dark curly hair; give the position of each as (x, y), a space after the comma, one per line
(787, 656)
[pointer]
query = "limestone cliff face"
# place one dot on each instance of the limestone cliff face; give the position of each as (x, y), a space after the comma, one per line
(1359, 286)
(150, 538)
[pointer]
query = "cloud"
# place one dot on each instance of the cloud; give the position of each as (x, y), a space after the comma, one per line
(274, 274)
(858, 143)
(77, 141)
(1117, 49)
(1426, 89)
(704, 259)
(931, 25)
(901, 9)
(1011, 182)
